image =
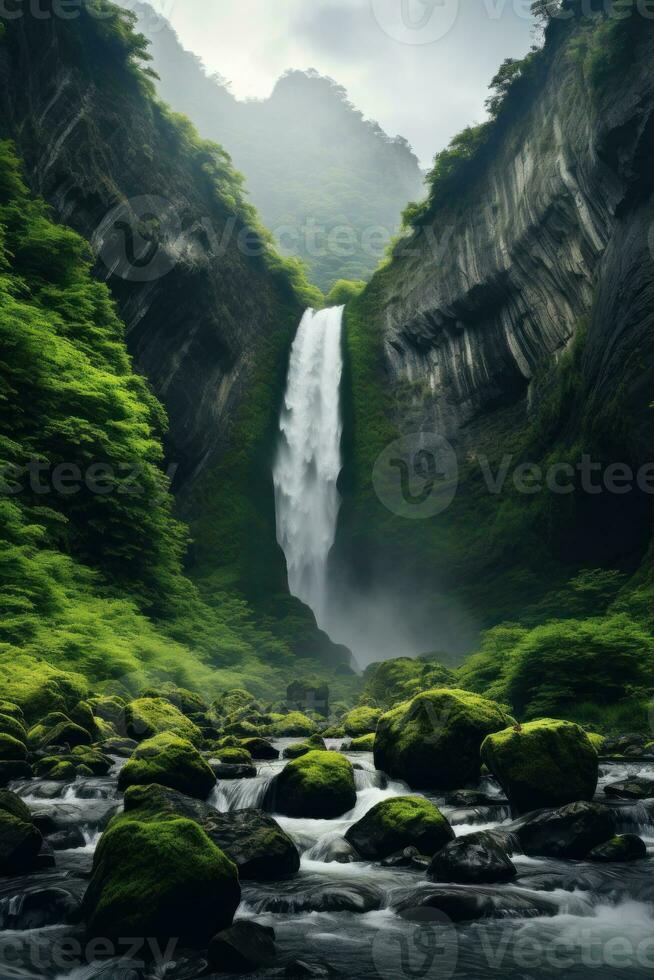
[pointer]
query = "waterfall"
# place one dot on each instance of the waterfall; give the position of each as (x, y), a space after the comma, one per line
(308, 459)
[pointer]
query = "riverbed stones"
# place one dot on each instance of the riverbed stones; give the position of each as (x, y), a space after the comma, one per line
(474, 859)
(397, 823)
(571, 831)
(160, 876)
(261, 749)
(624, 847)
(464, 904)
(634, 788)
(170, 761)
(318, 785)
(20, 842)
(545, 763)
(433, 740)
(243, 948)
(252, 839)
(146, 717)
(11, 749)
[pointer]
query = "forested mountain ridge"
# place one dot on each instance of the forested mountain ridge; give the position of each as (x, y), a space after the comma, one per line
(99, 581)
(330, 184)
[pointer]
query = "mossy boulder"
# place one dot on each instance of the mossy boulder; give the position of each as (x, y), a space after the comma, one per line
(241, 727)
(361, 721)
(235, 756)
(37, 687)
(146, 717)
(12, 726)
(12, 803)
(58, 729)
(85, 761)
(298, 749)
(160, 876)
(261, 749)
(253, 840)
(597, 741)
(433, 740)
(319, 784)
(236, 701)
(624, 847)
(57, 769)
(403, 821)
(545, 763)
(364, 743)
(13, 710)
(170, 761)
(20, 843)
(188, 702)
(14, 769)
(11, 749)
(294, 724)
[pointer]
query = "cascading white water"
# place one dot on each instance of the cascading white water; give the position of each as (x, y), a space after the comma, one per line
(308, 460)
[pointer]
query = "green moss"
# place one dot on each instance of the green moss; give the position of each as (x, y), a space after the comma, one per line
(404, 821)
(170, 761)
(433, 740)
(146, 717)
(396, 680)
(235, 756)
(188, 702)
(320, 784)
(11, 803)
(361, 721)
(57, 729)
(160, 877)
(20, 843)
(294, 723)
(11, 749)
(13, 710)
(364, 743)
(597, 741)
(545, 763)
(12, 726)
(37, 687)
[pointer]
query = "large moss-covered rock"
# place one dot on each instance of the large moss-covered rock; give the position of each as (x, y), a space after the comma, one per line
(82, 761)
(320, 784)
(146, 717)
(403, 821)
(235, 756)
(37, 688)
(12, 803)
(236, 701)
(11, 750)
(170, 761)
(361, 721)
(294, 724)
(160, 876)
(20, 842)
(364, 743)
(252, 839)
(545, 763)
(188, 702)
(13, 710)
(58, 729)
(12, 726)
(433, 741)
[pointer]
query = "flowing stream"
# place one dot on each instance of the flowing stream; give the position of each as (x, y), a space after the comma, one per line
(308, 460)
(590, 921)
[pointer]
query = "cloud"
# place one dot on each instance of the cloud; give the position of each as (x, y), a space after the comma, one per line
(425, 91)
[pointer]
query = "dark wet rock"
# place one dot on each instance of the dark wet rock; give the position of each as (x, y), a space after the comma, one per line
(347, 896)
(36, 908)
(462, 904)
(634, 788)
(261, 749)
(399, 822)
(475, 859)
(300, 969)
(621, 744)
(251, 838)
(122, 747)
(473, 798)
(334, 850)
(20, 844)
(421, 862)
(12, 770)
(61, 816)
(401, 859)
(243, 948)
(625, 847)
(223, 770)
(66, 840)
(569, 832)
(12, 803)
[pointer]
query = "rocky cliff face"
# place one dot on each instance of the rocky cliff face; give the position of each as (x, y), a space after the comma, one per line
(554, 233)
(518, 321)
(92, 141)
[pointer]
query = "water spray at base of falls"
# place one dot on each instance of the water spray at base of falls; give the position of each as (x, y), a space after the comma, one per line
(308, 461)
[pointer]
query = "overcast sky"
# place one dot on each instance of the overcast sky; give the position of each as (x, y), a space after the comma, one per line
(421, 68)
